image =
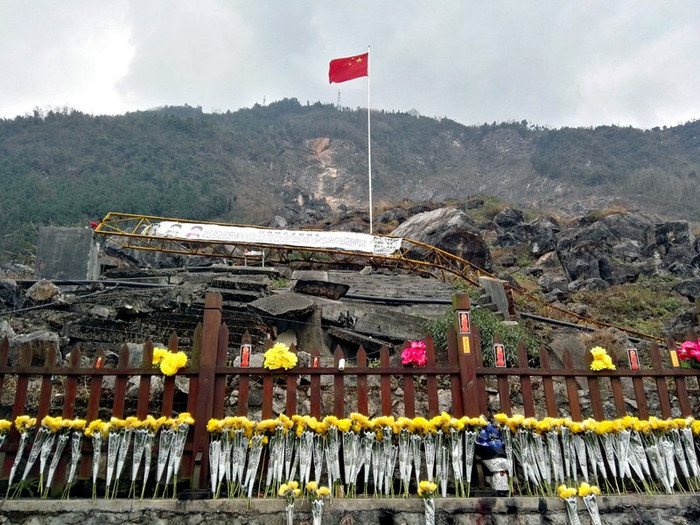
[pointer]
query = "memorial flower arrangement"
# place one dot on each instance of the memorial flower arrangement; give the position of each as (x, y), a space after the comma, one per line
(279, 356)
(568, 494)
(169, 362)
(689, 354)
(427, 490)
(601, 359)
(588, 494)
(290, 492)
(653, 456)
(414, 354)
(5, 427)
(315, 495)
(24, 425)
(62, 430)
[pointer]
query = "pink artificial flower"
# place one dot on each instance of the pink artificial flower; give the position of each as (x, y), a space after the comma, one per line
(695, 353)
(688, 350)
(414, 354)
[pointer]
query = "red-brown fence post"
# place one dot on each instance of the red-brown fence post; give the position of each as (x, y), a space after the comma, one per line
(467, 355)
(207, 374)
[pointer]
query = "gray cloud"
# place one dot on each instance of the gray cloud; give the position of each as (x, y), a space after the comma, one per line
(553, 63)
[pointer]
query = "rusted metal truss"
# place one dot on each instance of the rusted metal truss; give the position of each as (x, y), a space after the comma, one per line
(133, 231)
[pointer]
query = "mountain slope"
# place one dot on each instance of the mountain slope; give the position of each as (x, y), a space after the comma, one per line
(66, 168)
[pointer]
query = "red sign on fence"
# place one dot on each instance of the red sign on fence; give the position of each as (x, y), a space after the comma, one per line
(499, 353)
(633, 357)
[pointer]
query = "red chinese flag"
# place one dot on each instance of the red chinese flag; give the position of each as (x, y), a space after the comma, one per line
(342, 69)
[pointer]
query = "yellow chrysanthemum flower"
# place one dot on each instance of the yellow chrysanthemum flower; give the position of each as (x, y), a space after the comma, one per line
(279, 356)
(565, 492)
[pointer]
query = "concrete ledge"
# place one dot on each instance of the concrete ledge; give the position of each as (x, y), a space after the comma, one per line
(614, 510)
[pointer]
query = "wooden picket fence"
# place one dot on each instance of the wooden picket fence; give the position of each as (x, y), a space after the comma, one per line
(459, 384)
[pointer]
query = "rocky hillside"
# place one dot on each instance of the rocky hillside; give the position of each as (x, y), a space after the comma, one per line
(67, 168)
(622, 268)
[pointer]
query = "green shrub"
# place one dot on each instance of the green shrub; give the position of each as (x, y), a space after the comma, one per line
(488, 324)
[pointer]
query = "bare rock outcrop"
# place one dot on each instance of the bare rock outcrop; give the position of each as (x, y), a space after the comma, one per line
(449, 229)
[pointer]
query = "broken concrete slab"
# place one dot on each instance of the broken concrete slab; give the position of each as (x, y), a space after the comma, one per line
(287, 305)
(66, 253)
(371, 344)
(317, 283)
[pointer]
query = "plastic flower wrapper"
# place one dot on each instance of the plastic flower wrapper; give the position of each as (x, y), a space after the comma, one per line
(319, 444)
(315, 495)
(151, 426)
(95, 431)
(351, 460)
(367, 460)
(637, 458)
(416, 441)
(666, 446)
(391, 458)
(595, 454)
(181, 426)
(525, 454)
(76, 439)
(508, 447)
(113, 442)
(568, 494)
(580, 448)
(239, 449)
(290, 492)
(140, 432)
(499, 478)
(165, 440)
(215, 472)
(378, 464)
(41, 448)
(414, 354)
(657, 461)
(588, 493)
(471, 438)
(608, 441)
(555, 457)
(541, 458)
(61, 441)
(332, 454)
(689, 447)
(568, 451)
(279, 356)
(427, 490)
(457, 457)
(442, 455)
(256, 445)
(275, 469)
(678, 447)
(405, 460)
(24, 425)
(125, 436)
(429, 448)
(622, 440)
(290, 457)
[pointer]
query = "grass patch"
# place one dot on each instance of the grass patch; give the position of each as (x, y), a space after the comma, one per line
(643, 306)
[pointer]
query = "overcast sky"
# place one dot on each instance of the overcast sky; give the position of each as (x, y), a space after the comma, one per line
(553, 63)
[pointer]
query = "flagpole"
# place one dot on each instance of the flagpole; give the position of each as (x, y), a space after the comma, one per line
(369, 144)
